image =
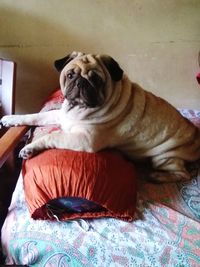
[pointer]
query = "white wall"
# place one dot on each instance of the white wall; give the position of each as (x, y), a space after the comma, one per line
(156, 43)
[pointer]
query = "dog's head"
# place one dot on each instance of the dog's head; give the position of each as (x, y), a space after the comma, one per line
(83, 78)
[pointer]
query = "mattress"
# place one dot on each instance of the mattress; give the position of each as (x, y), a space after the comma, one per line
(165, 231)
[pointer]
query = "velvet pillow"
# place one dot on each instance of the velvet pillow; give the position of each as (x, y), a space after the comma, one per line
(99, 184)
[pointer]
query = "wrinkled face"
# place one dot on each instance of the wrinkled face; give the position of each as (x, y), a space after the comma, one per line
(83, 79)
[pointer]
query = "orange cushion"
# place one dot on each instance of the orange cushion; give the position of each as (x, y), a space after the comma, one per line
(105, 178)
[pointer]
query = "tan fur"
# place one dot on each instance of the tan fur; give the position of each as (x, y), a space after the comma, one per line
(130, 119)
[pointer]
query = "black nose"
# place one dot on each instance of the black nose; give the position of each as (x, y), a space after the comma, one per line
(81, 82)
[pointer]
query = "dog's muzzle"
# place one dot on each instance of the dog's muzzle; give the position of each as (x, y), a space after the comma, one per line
(85, 93)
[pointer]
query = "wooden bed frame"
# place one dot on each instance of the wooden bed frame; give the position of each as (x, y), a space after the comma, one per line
(9, 140)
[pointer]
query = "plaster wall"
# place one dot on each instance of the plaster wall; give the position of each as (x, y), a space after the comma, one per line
(155, 42)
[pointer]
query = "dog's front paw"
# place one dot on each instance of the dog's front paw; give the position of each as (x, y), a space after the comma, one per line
(27, 152)
(10, 120)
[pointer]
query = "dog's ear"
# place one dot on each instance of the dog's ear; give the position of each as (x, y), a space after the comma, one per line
(60, 63)
(113, 67)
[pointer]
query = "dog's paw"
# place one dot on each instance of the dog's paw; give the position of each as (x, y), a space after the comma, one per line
(10, 120)
(27, 152)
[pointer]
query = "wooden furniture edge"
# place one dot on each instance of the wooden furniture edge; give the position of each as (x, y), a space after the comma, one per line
(9, 140)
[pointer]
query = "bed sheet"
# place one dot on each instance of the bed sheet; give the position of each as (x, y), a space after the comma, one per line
(159, 235)
(165, 231)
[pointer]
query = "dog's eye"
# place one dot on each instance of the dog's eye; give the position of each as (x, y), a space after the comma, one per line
(70, 75)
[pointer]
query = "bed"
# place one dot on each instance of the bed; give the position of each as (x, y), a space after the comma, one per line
(165, 230)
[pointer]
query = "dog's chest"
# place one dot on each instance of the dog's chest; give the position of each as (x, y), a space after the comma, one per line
(66, 122)
(71, 118)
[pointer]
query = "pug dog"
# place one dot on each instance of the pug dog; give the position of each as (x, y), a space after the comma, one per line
(102, 109)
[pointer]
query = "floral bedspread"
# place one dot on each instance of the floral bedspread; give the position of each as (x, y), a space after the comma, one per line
(165, 232)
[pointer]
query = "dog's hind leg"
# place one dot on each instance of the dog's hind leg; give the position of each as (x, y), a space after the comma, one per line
(169, 170)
